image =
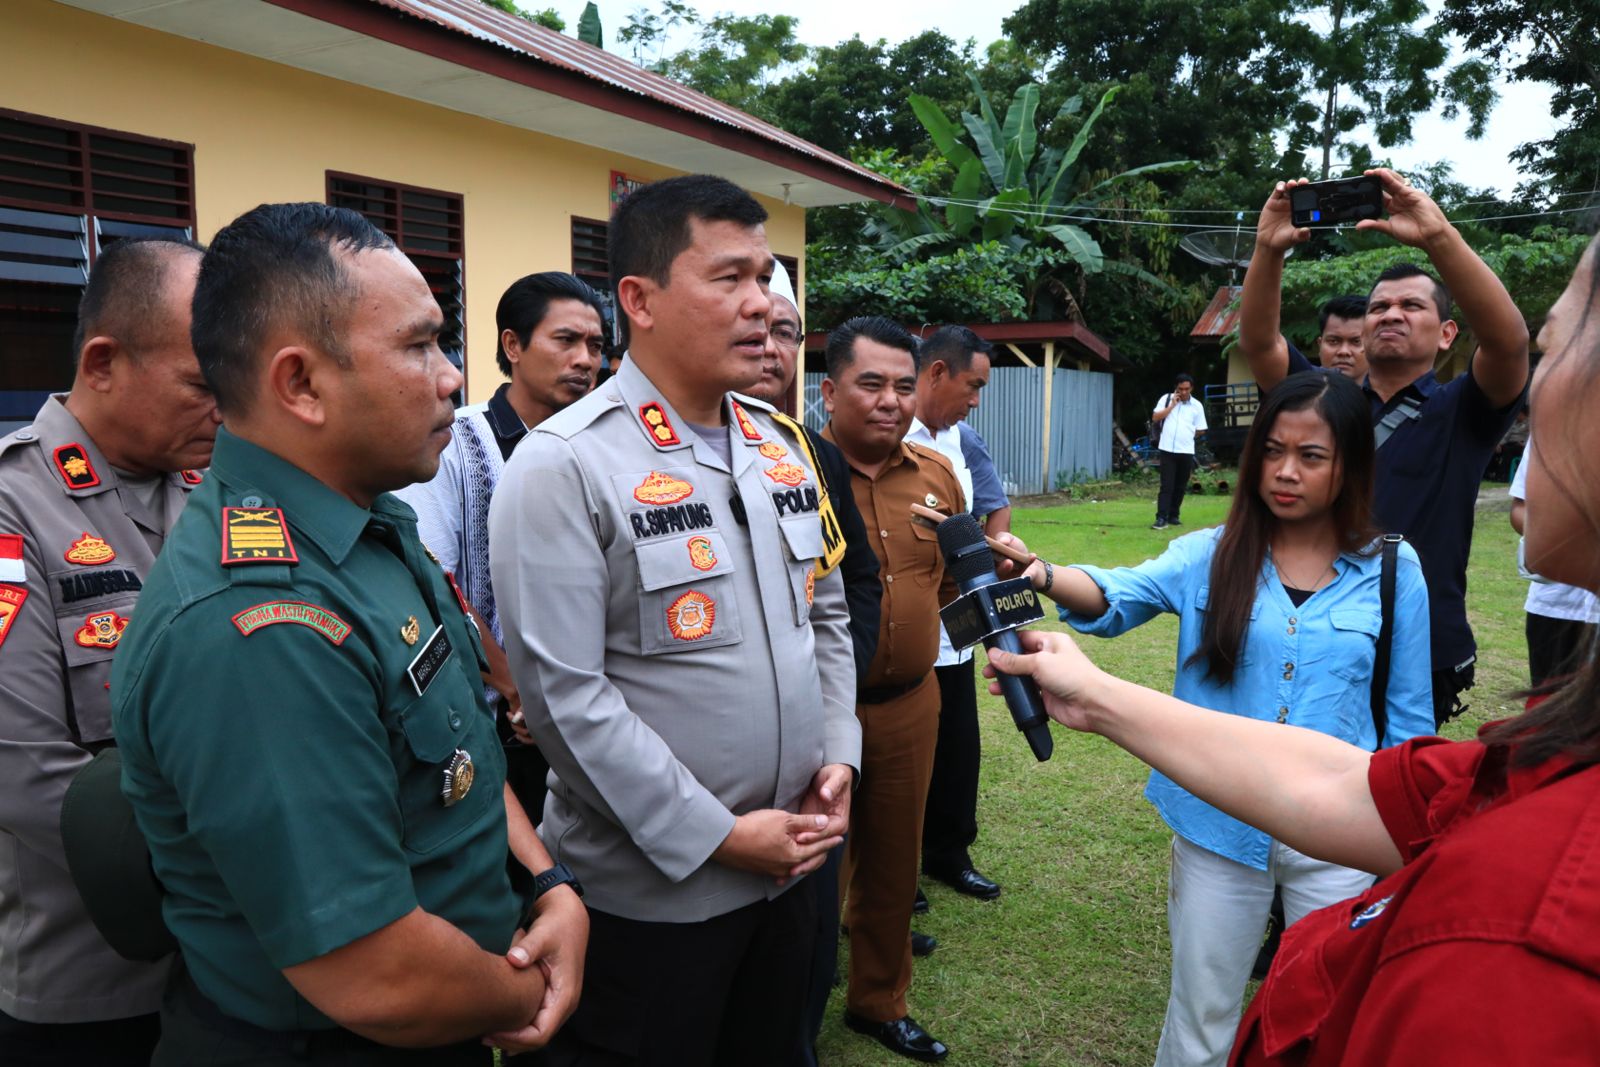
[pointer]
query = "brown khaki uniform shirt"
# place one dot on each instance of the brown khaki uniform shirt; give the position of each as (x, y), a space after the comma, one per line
(75, 546)
(909, 560)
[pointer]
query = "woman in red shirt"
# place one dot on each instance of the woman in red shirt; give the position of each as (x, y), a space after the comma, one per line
(1480, 942)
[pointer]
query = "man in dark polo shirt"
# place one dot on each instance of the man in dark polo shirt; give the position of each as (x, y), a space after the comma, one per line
(1434, 438)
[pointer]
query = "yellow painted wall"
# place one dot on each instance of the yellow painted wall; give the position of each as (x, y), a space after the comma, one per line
(264, 132)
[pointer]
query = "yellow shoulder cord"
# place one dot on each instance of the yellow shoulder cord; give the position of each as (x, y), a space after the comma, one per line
(832, 533)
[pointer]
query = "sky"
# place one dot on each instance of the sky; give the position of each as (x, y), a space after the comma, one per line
(1523, 113)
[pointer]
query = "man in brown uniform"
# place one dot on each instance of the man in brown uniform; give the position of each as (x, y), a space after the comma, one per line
(871, 396)
(88, 493)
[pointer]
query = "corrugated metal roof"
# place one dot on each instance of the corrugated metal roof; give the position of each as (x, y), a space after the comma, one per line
(542, 45)
(1217, 320)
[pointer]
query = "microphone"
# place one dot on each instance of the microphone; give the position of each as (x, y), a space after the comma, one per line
(990, 611)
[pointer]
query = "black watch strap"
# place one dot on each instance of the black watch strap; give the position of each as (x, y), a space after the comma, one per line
(560, 874)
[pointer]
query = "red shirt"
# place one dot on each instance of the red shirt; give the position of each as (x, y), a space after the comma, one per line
(1484, 948)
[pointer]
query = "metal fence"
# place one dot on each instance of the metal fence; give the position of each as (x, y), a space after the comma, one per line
(1011, 420)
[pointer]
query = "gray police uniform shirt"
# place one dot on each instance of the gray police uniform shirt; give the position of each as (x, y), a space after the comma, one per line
(75, 545)
(680, 659)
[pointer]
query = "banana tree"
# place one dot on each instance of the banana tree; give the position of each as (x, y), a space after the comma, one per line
(1011, 189)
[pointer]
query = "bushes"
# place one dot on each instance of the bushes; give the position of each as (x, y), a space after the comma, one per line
(979, 283)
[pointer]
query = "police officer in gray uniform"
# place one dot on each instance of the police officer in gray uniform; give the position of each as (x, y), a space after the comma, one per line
(686, 666)
(88, 493)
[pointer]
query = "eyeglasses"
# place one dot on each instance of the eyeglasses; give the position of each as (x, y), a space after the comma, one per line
(785, 335)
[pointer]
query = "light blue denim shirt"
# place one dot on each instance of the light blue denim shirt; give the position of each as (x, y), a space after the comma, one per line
(1307, 666)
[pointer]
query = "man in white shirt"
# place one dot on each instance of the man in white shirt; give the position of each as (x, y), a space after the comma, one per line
(955, 368)
(1182, 418)
(1561, 618)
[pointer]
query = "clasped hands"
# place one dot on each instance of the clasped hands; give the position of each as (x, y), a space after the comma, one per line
(785, 845)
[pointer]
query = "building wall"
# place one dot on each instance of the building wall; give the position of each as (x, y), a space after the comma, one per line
(263, 132)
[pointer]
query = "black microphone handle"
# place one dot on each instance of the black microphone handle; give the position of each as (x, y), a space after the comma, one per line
(1023, 699)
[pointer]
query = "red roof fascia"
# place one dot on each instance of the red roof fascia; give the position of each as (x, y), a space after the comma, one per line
(482, 38)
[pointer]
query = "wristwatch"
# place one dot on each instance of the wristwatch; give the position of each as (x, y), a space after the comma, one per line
(560, 874)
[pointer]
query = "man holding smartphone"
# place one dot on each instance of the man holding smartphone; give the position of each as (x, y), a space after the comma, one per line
(1434, 438)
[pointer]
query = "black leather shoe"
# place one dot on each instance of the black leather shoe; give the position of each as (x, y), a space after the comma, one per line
(968, 881)
(923, 944)
(920, 905)
(901, 1035)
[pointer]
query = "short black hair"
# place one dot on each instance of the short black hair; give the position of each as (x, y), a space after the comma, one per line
(123, 296)
(1441, 295)
(1181, 378)
(1351, 307)
(841, 350)
(954, 346)
(523, 306)
(651, 227)
(274, 264)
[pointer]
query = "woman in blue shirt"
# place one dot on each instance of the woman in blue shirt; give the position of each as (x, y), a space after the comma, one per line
(1279, 613)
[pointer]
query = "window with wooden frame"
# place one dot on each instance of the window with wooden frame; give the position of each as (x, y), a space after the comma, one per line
(591, 253)
(425, 224)
(67, 191)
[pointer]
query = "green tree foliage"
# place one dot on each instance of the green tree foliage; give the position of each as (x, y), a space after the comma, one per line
(589, 31)
(976, 283)
(733, 57)
(856, 94)
(1557, 43)
(546, 18)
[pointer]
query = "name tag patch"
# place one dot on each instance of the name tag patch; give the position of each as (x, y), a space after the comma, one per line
(674, 518)
(256, 535)
(90, 584)
(298, 612)
(430, 661)
(796, 501)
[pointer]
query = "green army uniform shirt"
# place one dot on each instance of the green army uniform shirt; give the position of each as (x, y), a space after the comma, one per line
(304, 735)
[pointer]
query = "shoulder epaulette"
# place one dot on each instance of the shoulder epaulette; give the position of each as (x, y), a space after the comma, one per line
(570, 421)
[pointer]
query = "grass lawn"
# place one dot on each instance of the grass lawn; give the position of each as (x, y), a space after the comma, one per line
(1069, 966)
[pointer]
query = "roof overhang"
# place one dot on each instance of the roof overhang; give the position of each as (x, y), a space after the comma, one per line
(1082, 342)
(469, 58)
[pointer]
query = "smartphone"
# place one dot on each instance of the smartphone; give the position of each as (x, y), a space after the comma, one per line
(1333, 202)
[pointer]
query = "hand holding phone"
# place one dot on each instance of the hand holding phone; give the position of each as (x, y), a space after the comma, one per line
(1341, 200)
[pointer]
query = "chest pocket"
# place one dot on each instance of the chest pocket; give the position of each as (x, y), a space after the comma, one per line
(803, 540)
(1354, 647)
(686, 598)
(90, 631)
(1247, 655)
(922, 562)
(434, 727)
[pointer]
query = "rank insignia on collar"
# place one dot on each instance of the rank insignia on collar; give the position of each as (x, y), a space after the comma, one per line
(298, 612)
(191, 477)
(786, 474)
(660, 489)
(657, 425)
(411, 632)
(89, 551)
(256, 535)
(101, 630)
(11, 600)
(76, 470)
(691, 616)
(746, 427)
(458, 776)
(702, 557)
(773, 450)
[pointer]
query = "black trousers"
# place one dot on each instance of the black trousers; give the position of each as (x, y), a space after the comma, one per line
(1556, 647)
(824, 885)
(113, 1043)
(1176, 467)
(950, 823)
(726, 992)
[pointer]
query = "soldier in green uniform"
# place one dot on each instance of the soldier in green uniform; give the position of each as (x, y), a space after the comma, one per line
(305, 741)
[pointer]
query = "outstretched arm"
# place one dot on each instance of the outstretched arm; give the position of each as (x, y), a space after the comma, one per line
(1500, 365)
(1304, 788)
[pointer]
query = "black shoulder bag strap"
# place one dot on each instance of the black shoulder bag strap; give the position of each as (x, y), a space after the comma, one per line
(1389, 566)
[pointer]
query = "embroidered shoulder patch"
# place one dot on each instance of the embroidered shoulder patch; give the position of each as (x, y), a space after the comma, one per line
(256, 535)
(76, 470)
(659, 489)
(786, 474)
(746, 427)
(657, 425)
(12, 569)
(89, 551)
(101, 630)
(691, 616)
(298, 612)
(11, 600)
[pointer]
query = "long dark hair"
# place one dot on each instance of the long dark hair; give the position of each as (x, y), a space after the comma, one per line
(1566, 723)
(1242, 548)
